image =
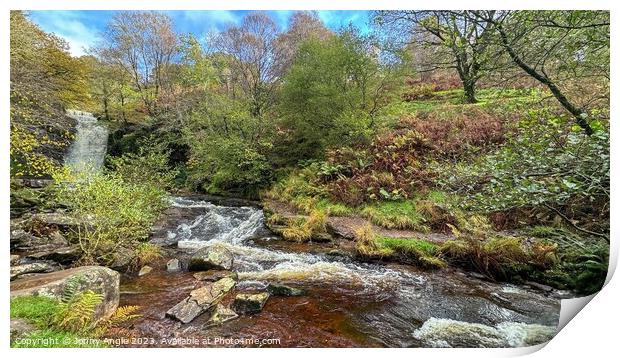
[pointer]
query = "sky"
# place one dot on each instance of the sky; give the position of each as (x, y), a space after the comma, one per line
(81, 28)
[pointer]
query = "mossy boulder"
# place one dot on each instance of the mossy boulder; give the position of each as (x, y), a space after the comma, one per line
(250, 303)
(278, 289)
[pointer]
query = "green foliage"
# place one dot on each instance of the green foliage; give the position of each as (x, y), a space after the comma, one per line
(45, 79)
(366, 243)
(66, 323)
(581, 265)
(394, 215)
(146, 253)
(148, 166)
(38, 310)
(422, 253)
(229, 148)
(304, 229)
(547, 163)
(118, 213)
(331, 93)
(76, 315)
(495, 255)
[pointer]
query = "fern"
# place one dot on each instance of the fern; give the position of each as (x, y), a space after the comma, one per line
(121, 315)
(77, 315)
(71, 288)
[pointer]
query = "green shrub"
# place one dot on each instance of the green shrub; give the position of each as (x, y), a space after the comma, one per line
(148, 166)
(117, 213)
(146, 253)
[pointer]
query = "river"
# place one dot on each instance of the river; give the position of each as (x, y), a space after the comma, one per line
(347, 303)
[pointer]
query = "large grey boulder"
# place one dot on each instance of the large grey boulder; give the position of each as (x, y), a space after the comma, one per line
(212, 257)
(249, 303)
(201, 300)
(95, 278)
(34, 267)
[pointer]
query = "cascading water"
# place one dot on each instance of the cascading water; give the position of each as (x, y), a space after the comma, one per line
(387, 305)
(91, 140)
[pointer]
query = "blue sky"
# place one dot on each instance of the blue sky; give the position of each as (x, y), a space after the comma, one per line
(81, 28)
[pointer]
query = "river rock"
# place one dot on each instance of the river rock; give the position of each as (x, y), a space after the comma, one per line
(173, 265)
(248, 303)
(15, 259)
(278, 289)
(35, 267)
(63, 221)
(212, 257)
(322, 237)
(95, 278)
(201, 300)
(62, 255)
(338, 229)
(145, 270)
(24, 241)
(122, 259)
(214, 275)
(220, 315)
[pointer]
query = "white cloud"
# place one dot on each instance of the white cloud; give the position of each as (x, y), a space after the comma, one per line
(69, 25)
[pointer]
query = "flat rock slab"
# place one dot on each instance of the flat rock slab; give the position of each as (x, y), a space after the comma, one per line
(35, 267)
(220, 315)
(62, 255)
(96, 278)
(215, 275)
(249, 303)
(201, 300)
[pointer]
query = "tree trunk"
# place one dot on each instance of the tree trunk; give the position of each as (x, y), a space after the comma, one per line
(469, 88)
(579, 114)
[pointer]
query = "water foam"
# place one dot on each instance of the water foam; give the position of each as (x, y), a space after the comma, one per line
(440, 332)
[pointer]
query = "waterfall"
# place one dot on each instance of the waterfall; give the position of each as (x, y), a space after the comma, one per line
(91, 139)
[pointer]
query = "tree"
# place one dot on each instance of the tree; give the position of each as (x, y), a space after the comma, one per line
(254, 54)
(332, 92)
(558, 48)
(302, 26)
(144, 45)
(461, 43)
